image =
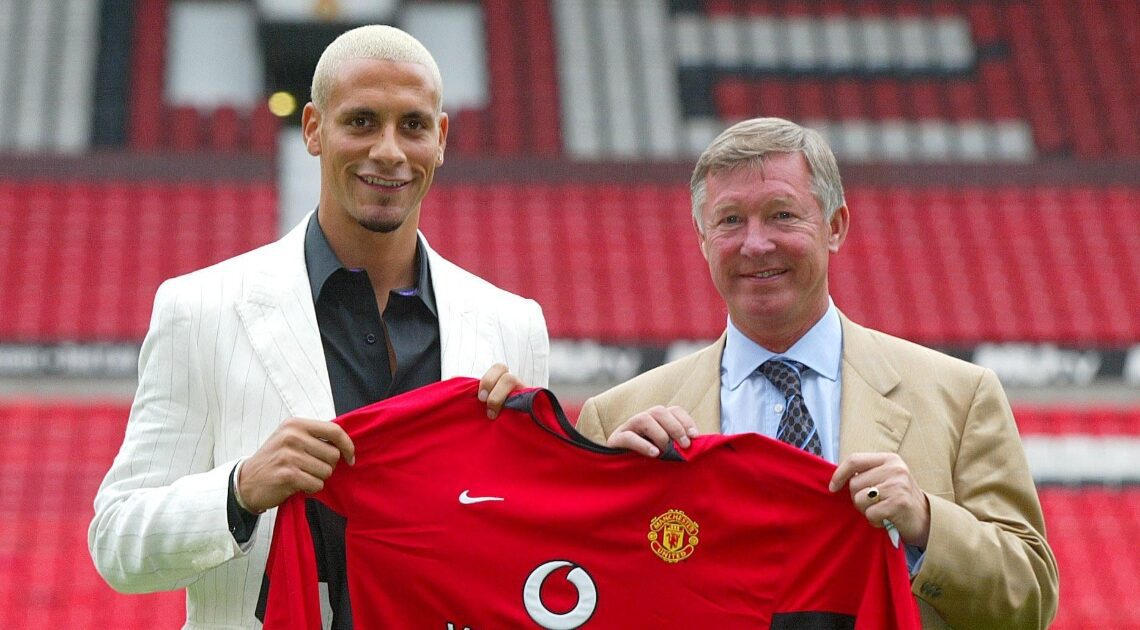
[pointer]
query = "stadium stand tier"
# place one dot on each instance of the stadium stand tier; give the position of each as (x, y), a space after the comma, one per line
(82, 261)
(939, 265)
(990, 150)
(49, 470)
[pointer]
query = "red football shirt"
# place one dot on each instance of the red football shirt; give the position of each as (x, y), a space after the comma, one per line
(457, 521)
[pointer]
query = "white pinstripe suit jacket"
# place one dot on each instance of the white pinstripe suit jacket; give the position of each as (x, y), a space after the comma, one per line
(232, 350)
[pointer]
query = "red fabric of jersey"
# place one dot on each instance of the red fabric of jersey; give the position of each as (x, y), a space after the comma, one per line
(457, 521)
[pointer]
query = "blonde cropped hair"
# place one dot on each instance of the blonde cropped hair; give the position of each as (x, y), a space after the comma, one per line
(748, 142)
(375, 41)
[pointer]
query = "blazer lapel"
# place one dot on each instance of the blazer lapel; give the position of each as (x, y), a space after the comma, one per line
(700, 394)
(456, 309)
(277, 311)
(870, 421)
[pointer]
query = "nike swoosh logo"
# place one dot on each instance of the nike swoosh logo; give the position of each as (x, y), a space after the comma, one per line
(467, 499)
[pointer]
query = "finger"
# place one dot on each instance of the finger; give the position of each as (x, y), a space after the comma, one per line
(490, 377)
(868, 498)
(685, 420)
(334, 434)
(877, 523)
(316, 468)
(309, 483)
(266, 486)
(502, 389)
(675, 422)
(628, 440)
(854, 464)
(648, 425)
(318, 449)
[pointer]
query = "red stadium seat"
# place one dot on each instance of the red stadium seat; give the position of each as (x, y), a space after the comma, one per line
(186, 129)
(84, 260)
(51, 462)
(263, 129)
(147, 68)
(225, 130)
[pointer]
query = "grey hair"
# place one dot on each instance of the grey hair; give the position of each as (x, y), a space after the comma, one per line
(748, 142)
(375, 41)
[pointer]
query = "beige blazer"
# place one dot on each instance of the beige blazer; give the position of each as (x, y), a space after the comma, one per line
(987, 564)
(232, 351)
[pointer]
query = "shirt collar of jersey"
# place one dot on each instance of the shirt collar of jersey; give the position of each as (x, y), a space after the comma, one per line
(820, 350)
(322, 263)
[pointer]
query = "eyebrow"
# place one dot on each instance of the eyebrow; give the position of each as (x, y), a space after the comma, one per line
(415, 114)
(358, 111)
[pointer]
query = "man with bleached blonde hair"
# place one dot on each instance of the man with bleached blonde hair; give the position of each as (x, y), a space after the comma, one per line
(926, 444)
(246, 361)
(376, 41)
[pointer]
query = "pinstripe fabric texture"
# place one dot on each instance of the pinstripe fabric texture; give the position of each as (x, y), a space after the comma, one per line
(233, 350)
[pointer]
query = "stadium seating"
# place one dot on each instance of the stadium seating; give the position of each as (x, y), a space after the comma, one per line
(1061, 419)
(51, 462)
(1011, 261)
(901, 80)
(157, 126)
(55, 453)
(1085, 525)
(147, 64)
(81, 262)
(1060, 69)
(47, 77)
(1040, 82)
(523, 112)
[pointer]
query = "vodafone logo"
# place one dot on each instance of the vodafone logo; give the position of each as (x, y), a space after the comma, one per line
(578, 615)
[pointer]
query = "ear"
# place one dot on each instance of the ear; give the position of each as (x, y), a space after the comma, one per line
(701, 240)
(838, 225)
(311, 129)
(443, 124)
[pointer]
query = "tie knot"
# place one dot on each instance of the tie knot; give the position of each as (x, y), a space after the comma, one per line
(784, 374)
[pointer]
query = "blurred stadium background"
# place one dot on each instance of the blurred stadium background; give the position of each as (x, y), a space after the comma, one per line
(991, 153)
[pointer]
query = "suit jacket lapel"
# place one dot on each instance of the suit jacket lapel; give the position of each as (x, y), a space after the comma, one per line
(700, 394)
(277, 310)
(870, 421)
(457, 310)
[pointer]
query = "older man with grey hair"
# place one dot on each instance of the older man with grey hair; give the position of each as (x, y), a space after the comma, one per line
(925, 444)
(246, 361)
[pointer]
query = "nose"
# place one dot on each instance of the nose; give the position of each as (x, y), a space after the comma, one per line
(386, 149)
(756, 239)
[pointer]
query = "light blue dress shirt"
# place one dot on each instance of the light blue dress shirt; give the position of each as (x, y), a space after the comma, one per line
(750, 403)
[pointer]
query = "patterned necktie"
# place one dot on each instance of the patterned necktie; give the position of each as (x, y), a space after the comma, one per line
(796, 426)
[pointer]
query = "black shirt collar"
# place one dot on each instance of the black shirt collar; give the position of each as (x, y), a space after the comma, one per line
(322, 263)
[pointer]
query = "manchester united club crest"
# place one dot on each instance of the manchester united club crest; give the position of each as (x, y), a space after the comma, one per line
(673, 536)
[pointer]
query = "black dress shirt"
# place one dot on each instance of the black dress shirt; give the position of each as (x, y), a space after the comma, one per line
(370, 358)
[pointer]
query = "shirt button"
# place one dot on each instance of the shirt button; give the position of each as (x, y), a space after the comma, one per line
(370, 338)
(778, 408)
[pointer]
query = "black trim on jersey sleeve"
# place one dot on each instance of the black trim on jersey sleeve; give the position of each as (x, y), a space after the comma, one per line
(524, 402)
(813, 620)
